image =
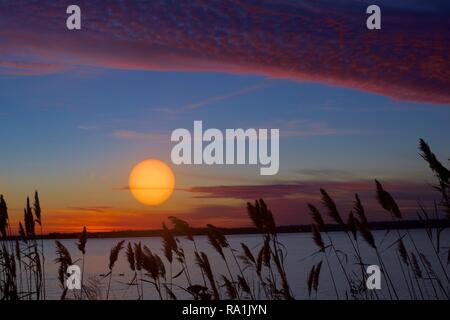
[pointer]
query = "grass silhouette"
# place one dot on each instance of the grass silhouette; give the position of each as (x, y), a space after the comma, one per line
(261, 270)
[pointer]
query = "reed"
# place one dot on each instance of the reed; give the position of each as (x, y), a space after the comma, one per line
(263, 219)
(318, 240)
(153, 264)
(169, 247)
(203, 262)
(313, 278)
(183, 228)
(251, 272)
(113, 256)
(64, 259)
(82, 240)
(132, 264)
(21, 263)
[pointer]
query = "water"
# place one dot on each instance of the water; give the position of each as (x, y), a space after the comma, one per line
(301, 255)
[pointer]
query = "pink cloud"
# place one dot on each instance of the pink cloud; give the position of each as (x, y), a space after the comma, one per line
(31, 68)
(288, 201)
(319, 41)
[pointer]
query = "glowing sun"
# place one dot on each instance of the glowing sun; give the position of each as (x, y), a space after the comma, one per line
(151, 182)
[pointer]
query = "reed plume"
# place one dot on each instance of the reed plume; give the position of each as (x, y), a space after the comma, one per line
(436, 166)
(138, 254)
(313, 278)
(359, 210)
(38, 214)
(169, 242)
(263, 219)
(230, 288)
(366, 233)
(182, 227)
(317, 237)
(130, 257)
(261, 216)
(62, 254)
(37, 208)
(317, 276)
(403, 252)
(368, 237)
(244, 285)
(351, 225)
(203, 262)
(215, 244)
(387, 201)
(218, 242)
(170, 293)
(416, 266)
(248, 255)
(139, 261)
(29, 221)
(3, 217)
(113, 256)
(153, 264)
(316, 216)
(389, 204)
(149, 263)
(443, 175)
(82, 240)
(22, 233)
(64, 259)
(329, 203)
(249, 260)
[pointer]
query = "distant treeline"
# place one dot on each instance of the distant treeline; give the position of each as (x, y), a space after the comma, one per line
(381, 225)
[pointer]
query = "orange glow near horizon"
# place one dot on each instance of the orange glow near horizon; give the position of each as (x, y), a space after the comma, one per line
(73, 221)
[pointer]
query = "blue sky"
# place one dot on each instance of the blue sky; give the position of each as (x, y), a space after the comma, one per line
(78, 110)
(75, 137)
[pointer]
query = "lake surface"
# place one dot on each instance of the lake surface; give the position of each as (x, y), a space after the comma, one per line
(301, 255)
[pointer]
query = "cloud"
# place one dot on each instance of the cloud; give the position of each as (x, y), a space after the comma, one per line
(288, 201)
(306, 128)
(308, 189)
(246, 192)
(134, 135)
(228, 95)
(321, 41)
(225, 206)
(87, 127)
(291, 129)
(327, 174)
(219, 215)
(91, 209)
(210, 100)
(31, 68)
(102, 218)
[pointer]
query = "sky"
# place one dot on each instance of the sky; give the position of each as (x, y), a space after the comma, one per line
(78, 109)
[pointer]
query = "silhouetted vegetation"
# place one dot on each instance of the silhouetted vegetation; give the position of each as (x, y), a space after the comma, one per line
(261, 271)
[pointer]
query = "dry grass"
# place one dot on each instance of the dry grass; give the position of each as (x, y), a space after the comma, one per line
(261, 272)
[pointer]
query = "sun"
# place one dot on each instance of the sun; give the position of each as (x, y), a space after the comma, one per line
(151, 182)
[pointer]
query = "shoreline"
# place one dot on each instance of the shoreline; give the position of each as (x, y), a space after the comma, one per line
(380, 225)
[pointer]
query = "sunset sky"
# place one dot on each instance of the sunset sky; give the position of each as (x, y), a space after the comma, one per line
(78, 109)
